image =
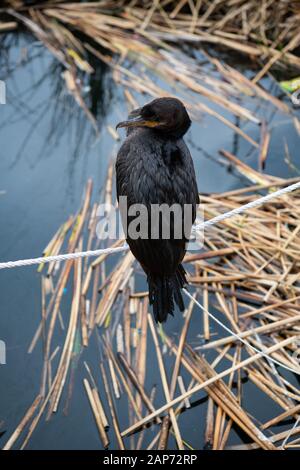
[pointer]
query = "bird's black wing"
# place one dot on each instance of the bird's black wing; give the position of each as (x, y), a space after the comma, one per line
(152, 171)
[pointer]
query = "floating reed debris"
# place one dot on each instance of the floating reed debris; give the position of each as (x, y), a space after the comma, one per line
(246, 273)
(150, 36)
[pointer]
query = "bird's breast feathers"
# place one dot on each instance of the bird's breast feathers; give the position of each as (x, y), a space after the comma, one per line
(156, 172)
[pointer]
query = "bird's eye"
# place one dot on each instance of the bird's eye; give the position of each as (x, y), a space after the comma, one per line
(148, 113)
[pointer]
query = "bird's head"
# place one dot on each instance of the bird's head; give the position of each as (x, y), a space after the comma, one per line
(166, 115)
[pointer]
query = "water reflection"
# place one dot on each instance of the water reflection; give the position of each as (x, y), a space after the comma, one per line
(44, 79)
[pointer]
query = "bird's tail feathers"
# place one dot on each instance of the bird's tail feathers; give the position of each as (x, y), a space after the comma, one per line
(164, 290)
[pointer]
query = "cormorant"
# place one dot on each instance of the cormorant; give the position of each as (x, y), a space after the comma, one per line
(154, 167)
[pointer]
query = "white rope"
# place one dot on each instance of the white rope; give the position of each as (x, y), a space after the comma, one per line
(213, 221)
(282, 447)
(261, 352)
(245, 207)
(67, 256)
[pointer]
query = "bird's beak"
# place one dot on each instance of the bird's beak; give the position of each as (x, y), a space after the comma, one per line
(136, 120)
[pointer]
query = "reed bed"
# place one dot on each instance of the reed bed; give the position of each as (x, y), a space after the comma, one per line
(246, 273)
(153, 38)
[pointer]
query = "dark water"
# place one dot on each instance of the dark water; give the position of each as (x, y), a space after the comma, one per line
(48, 151)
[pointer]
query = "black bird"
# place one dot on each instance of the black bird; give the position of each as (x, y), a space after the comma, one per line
(154, 166)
